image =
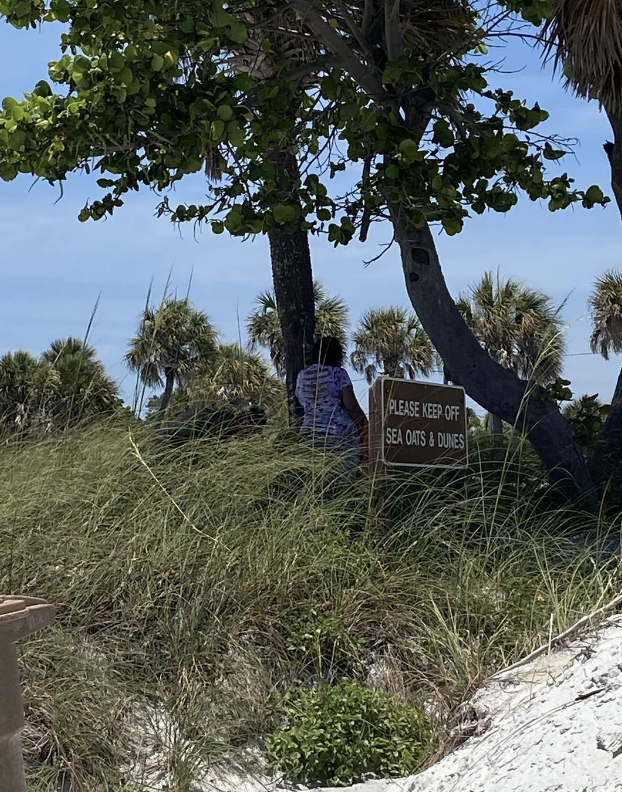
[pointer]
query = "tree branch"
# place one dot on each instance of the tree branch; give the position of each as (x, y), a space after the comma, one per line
(368, 15)
(348, 59)
(356, 32)
(392, 32)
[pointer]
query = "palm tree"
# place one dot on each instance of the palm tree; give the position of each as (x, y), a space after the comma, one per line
(605, 303)
(585, 39)
(236, 374)
(519, 327)
(67, 384)
(77, 387)
(391, 341)
(264, 329)
(20, 376)
(172, 341)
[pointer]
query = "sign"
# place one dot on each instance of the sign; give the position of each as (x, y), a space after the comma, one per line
(417, 424)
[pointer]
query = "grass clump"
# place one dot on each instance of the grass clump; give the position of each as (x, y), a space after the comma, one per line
(338, 735)
(193, 588)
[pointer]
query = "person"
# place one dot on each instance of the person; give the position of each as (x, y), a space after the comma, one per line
(332, 415)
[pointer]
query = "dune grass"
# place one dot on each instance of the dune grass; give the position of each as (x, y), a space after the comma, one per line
(194, 590)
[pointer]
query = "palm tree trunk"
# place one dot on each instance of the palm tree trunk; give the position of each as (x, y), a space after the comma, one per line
(615, 119)
(292, 276)
(392, 368)
(496, 430)
(168, 389)
(486, 382)
(609, 446)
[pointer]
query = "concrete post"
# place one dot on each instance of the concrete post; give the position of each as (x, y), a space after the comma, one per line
(19, 617)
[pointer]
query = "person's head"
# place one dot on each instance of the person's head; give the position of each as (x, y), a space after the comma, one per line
(328, 351)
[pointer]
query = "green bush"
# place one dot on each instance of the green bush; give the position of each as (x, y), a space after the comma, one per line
(339, 735)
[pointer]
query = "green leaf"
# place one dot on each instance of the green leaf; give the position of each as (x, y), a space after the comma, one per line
(550, 153)
(409, 150)
(17, 139)
(43, 89)
(218, 227)
(217, 130)
(224, 112)
(220, 18)
(443, 134)
(238, 33)
(61, 9)
(125, 76)
(8, 103)
(594, 195)
(116, 62)
(452, 225)
(284, 213)
(157, 63)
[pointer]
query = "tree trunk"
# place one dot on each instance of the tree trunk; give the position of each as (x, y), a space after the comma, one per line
(168, 389)
(292, 276)
(486, 382)
(609, 446)
(496, 430)
(615, 158)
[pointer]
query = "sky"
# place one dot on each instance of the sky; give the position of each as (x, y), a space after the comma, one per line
(54, 270)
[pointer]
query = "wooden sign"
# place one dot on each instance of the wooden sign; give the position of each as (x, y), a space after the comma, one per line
(417, 424)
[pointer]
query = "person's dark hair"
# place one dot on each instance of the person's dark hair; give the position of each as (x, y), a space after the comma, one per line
(328, 351)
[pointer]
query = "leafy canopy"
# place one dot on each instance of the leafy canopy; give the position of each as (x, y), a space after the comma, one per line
(264, 329)
(146, 93)
(173, 340)
(605, 303)
(391, 341)
(518, 326)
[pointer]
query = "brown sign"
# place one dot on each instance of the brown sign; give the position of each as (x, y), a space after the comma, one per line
(416, 424)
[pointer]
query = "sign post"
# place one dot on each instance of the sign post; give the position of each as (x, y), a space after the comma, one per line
(417, 424)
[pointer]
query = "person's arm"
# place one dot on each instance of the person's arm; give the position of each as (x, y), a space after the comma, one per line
(355, 411)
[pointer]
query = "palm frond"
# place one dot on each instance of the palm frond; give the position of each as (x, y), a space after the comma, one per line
(584, 38)
(519, 327)
(605, 303)
(391, 341)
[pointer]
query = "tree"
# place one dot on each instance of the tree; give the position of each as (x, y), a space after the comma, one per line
(65, 386)
(172, 341)
(290, 254)
(264, 329)
(236, 375)
(76, 387)
(520, 329)
(20, 381)
(391, 341)
(146, 94)
(605, 304)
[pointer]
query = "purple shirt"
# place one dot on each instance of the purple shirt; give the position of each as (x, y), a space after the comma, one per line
(319, 391)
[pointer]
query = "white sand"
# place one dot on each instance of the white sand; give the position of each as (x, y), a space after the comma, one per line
(554, 724)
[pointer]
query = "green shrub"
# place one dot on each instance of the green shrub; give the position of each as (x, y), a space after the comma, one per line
(339, 735)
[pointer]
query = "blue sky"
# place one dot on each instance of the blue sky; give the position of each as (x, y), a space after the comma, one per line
(53, 268)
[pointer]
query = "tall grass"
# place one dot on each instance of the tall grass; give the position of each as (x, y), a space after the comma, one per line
(192, 588)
